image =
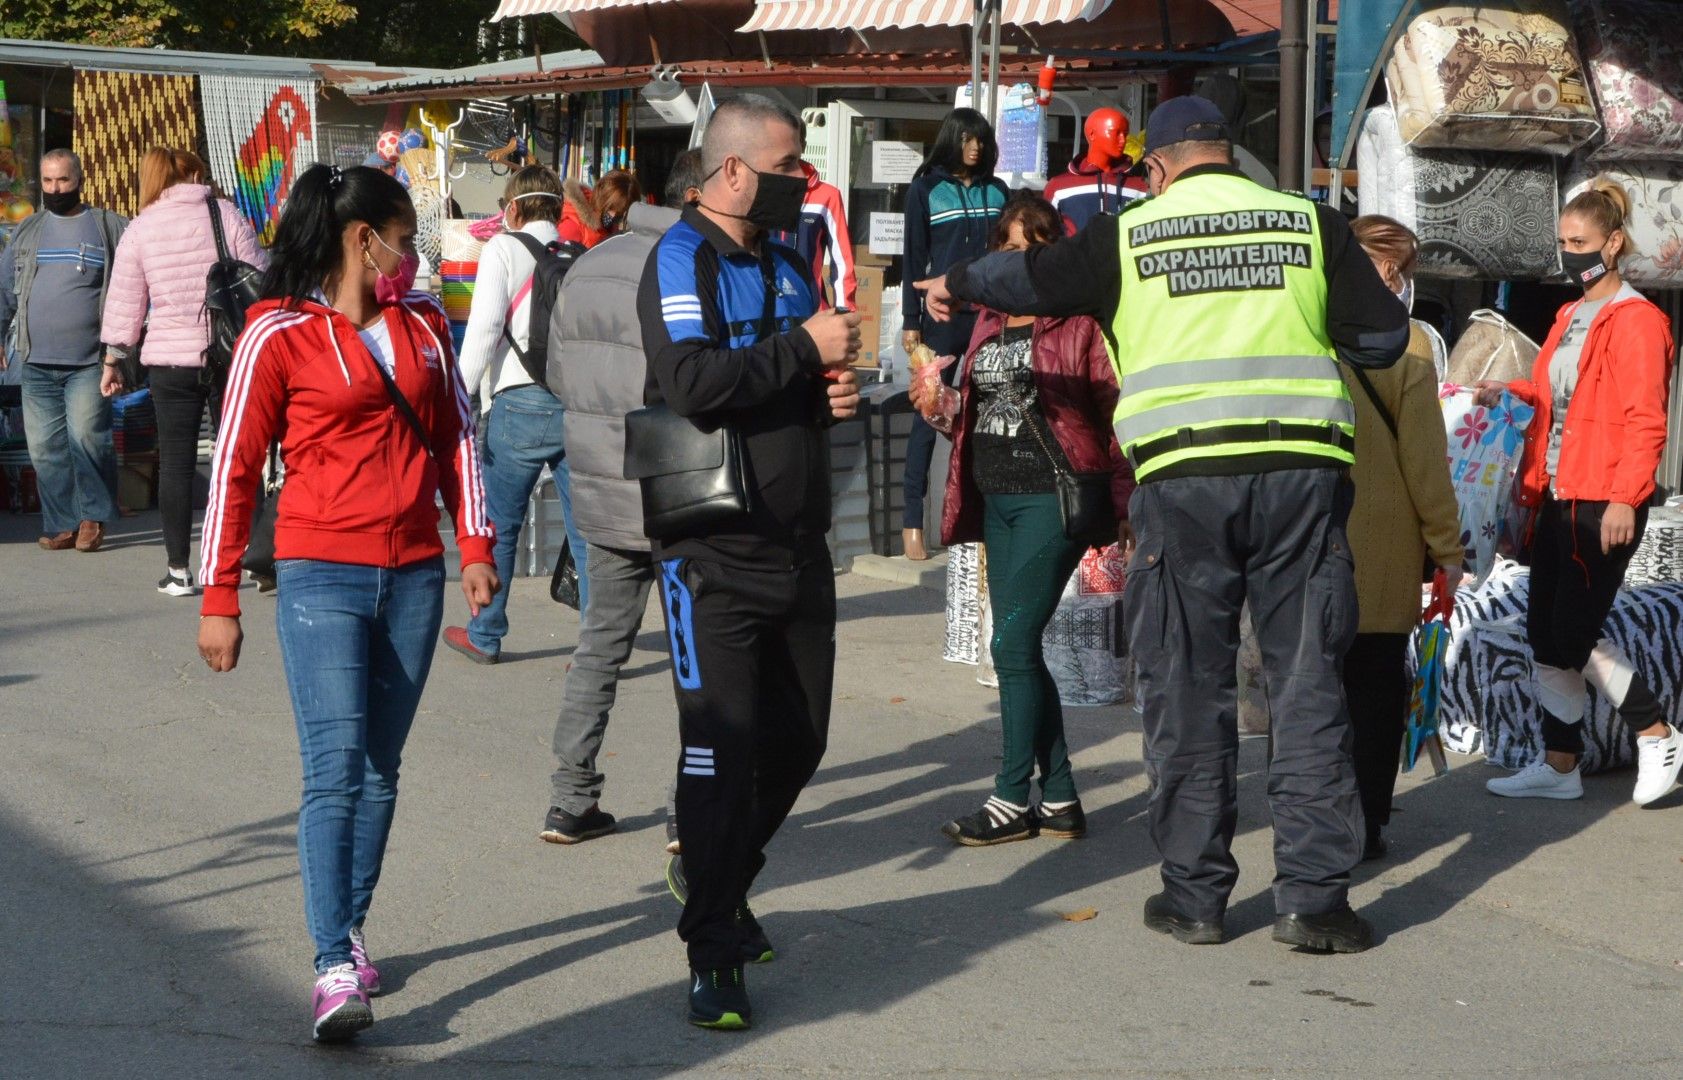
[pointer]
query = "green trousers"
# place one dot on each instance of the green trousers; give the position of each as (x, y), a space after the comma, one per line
(1029, 562)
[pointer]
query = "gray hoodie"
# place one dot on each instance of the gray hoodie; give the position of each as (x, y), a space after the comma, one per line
(598, 371)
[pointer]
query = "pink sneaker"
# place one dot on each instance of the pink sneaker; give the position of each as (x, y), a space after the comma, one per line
(365, 969)
(341, 1005)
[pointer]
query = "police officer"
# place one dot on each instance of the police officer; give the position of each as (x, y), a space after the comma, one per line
(1228, 307)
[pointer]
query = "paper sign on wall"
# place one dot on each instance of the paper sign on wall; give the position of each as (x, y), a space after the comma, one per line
(894, 162)
(888, 233)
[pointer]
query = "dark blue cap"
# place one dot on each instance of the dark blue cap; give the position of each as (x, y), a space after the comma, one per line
(1184, 119)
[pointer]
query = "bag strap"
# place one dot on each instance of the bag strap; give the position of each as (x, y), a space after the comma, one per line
(1373, 396)
(216, 227)
(402, 403)
(1032, 416)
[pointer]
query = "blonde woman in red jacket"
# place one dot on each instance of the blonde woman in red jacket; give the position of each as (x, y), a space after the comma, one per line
(352, 372)
(1599, 387)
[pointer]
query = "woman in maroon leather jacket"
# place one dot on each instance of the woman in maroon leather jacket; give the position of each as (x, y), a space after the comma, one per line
(1030, 388)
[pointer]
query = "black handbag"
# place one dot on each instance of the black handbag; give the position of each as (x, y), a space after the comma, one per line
(259, 560)
(693, 481)
(564, 583)
(693, 478)
(1084, 499)
(231, 286)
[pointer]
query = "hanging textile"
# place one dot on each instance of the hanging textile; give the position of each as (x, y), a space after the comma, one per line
(119, 116)
(261, 133)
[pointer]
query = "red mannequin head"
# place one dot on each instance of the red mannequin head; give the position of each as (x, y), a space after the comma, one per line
(1106, 131)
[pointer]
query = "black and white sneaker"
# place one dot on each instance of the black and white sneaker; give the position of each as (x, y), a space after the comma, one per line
(997, 822)
(178, 582)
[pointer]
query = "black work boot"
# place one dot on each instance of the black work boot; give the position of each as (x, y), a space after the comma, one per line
(1162, 916)
(1341, 931)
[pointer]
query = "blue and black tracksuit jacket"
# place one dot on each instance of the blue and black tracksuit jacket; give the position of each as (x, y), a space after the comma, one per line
(947, 222)
(714, 358)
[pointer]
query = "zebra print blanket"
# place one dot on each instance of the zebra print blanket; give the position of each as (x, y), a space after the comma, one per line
(1489, 696)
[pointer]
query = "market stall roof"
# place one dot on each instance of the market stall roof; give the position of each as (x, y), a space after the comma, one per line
(513, 9)
(433, 82)
(922, 69)
(903, 14)
(101, 58)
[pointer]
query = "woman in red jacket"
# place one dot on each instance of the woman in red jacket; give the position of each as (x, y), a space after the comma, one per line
(1037, 397)
(1599, 387)
(352, 372)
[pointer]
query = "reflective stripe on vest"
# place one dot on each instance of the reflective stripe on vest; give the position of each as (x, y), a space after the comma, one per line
(1222, 321)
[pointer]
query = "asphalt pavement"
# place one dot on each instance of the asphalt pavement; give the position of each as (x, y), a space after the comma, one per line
(151, 914)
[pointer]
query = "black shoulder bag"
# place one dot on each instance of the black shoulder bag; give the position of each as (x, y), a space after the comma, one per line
(231, 287)
(693, 479)
(1084, 499)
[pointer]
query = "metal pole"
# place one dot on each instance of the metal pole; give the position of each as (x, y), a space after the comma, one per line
(995, 15)
(1294, 64)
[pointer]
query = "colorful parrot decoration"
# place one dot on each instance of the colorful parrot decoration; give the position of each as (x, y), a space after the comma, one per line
(267, 160)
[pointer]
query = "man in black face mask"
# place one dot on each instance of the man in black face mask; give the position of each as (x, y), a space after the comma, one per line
(733, 337)
(52, 293)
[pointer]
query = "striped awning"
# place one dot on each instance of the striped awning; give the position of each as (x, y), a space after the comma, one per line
(513, 9)
(906, 14)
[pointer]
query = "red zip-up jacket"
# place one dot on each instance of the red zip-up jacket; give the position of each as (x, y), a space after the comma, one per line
(358, 487)
(1616, 419)
(1076, 384)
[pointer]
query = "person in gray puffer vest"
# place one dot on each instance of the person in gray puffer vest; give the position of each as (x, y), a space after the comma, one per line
(597, 369)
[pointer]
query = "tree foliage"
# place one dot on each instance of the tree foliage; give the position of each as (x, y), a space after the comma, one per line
(418, 33)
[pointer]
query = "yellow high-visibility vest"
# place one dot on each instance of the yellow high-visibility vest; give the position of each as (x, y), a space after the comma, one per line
(1221, 338)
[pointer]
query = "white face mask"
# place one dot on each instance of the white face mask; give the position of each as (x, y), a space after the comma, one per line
(1407, 295)
(529, 195)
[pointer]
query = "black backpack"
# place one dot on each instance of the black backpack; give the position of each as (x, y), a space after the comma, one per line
(231, 287)
(553, 262)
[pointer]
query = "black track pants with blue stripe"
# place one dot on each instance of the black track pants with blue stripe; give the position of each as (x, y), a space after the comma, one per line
(753, 661)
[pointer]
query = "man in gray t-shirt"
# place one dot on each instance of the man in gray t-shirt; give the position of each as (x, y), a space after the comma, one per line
(52, 292)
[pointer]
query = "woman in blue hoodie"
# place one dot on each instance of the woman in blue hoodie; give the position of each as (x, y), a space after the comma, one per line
(951, 210)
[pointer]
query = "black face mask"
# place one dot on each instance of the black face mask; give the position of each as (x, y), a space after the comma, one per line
(777, 201)
(61, 202)
(1585, 268)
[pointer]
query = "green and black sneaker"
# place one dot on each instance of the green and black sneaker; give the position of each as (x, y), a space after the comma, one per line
(719, 1000)
(675, 883)
(756, 947)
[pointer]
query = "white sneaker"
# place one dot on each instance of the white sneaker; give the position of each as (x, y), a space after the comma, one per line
(178, 583)
(1539, 780)
(1658, 758)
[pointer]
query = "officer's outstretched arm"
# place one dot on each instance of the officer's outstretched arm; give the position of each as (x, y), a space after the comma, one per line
(1077, 275)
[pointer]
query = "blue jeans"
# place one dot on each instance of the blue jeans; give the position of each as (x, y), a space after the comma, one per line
(68, 424)
(357, 642)
(522, 436)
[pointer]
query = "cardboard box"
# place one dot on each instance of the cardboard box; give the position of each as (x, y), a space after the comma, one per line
(869, 300)
(864, 256)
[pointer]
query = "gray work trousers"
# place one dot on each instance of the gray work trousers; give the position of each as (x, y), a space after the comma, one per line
(1206, 544)
(619, 597)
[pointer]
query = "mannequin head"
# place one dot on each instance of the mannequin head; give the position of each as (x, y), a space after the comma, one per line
(1106, 131)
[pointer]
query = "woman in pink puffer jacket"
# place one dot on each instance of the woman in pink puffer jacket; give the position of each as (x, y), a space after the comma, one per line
(158, 283)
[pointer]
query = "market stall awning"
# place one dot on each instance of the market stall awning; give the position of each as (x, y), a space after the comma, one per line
(513, 9)
(904, 14)
(1366, 33)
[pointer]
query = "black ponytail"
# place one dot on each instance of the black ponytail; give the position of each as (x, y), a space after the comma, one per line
(308, 245)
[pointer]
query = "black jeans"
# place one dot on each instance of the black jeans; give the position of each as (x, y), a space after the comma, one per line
(1573, 586)
(947, 339)
(753, 659)
(1206, 544)
(1376, 686)
(179, 395)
